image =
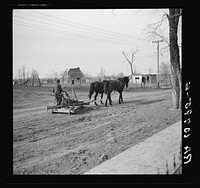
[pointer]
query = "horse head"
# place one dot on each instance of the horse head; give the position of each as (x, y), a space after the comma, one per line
(126, 80)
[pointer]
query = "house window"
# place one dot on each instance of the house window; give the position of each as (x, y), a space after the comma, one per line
(137, 78)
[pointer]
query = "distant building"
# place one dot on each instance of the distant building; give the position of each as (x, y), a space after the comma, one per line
(75, 76)
(140, 79)
(137, 78)
(151, 78)
(87, 79)
(44, 82)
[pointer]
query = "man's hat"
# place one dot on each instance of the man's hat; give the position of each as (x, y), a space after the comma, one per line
(58, 81)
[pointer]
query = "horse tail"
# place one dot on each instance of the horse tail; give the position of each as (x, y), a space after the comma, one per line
(91, 90)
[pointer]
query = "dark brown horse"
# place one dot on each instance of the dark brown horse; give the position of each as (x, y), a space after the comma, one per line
(115, 85)
(97, 87)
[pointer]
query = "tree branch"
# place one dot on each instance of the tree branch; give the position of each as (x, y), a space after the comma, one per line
(132, 56)
(159, 22)
(175, 15)
(126, 58)
(154, 31)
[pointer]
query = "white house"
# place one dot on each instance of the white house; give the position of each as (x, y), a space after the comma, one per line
(137, 78)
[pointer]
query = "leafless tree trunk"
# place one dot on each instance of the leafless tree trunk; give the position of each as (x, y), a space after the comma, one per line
(33, 79)
(23, 73)
(130, 62)
(173, 18)
(102, 73)
(20, 76)
(64, 75)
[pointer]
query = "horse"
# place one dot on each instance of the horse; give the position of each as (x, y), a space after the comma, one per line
(97, 87)
(143, 81)
(115, 85)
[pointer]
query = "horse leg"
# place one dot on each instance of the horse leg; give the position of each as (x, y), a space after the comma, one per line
(110, 100)
(109, 97)
(95, 98)
(106, 101)
(90, 94)
(101, 97)
(121, 97)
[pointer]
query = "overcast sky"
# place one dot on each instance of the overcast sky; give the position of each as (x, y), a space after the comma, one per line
(54, 40)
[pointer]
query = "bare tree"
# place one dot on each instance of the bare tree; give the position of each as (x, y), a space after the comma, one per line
(35, 77)
(154, 30)
(55, 75)
(87, 74)
(172, 43)
(24, 74)
(150, 70)
(165, 71)
(164, 68)
(102, 73)
(131, 60)
(63, 75)
(28, 78)
(20, 76)
(173, 18)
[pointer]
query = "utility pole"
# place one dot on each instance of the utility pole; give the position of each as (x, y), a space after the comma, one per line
(158, 41)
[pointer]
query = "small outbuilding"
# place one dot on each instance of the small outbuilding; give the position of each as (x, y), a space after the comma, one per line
(151, 78)
(75, 76)
(137, 78)
(142, 79)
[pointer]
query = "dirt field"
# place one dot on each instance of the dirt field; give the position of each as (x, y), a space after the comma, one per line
(46, 143)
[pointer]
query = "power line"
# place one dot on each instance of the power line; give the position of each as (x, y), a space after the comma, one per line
(65, 33)
(86, 26)
(104, 37)
(80, 26)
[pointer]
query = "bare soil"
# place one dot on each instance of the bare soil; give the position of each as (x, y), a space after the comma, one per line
(46, 143)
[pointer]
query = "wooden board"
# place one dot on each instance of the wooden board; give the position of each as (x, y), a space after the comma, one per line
(80, 103)
(66, 110)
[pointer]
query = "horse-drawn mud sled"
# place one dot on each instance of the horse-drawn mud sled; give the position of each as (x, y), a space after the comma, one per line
(69, 104)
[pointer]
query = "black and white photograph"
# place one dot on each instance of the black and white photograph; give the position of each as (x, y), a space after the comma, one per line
(98, 92)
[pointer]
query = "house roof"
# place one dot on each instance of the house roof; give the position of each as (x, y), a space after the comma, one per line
(75, 73)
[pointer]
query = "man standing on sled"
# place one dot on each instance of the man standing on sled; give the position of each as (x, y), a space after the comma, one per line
(57, 90)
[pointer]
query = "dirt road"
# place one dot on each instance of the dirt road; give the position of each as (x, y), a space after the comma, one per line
(46, 143)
